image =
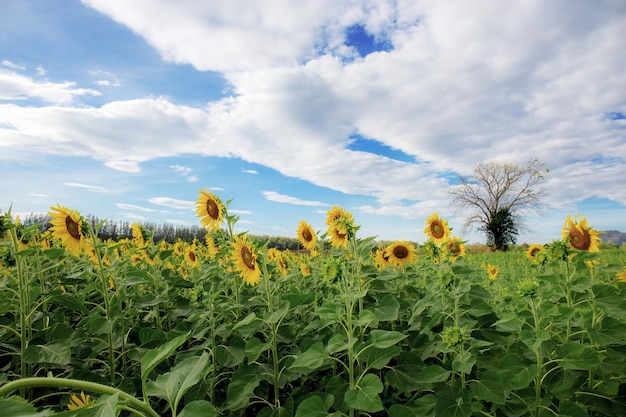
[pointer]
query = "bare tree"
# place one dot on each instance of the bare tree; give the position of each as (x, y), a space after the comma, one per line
(497, 196)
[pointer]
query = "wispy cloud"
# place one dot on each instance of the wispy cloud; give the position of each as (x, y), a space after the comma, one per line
(281, 198)
(132, 216)
(239, 212)
(88, 187)
(15, 86)
(125, 206)
(9, 64)
(185, 172)
(250, 171)
(173, 203)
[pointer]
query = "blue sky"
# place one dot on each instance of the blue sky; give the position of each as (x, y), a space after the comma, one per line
(124, 110)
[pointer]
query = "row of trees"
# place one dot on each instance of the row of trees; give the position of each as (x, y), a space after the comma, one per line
(168, 232)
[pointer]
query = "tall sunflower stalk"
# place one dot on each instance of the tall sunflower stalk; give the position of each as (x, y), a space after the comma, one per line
(106, 295)
(24, 308)
(273, 321)
(342, 232)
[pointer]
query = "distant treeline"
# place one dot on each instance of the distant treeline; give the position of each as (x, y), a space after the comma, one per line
(117, 230)
(171, 233)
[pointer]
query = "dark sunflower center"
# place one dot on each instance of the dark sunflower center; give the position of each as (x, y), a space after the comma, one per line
(247, 257)
(306, 235)
(400, 252)
(212, 209)
(437, 230)
(192, 256)
(533, 252)
(579, 240)
(454, 249)
(72, 227)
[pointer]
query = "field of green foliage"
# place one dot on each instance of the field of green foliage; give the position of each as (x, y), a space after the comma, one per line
(227, 327)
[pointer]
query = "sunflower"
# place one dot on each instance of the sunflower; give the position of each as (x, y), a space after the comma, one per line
(274, 255)
(400, 253)
(210, 209)
(493, 271)
(212, 247)
(381, 260)
(306, 235)
(79, 401)
(437, 229)
(336, 213)
(580, 235)
(179, 247)
(138, 234)
(338, 234)
(455, 247)
(621, 276)
(67, 225)
(305, 270)
(191, 257)
(245, 260)
(533, 252)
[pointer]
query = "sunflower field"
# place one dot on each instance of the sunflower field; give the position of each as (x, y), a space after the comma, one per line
(344, 327)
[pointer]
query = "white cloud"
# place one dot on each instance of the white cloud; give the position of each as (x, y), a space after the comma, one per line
(9, 64)
(173, 203)
(239, 212)
(464, 82)
(281, 198)
(181, 169)
(250, 171)
(88, 187)
(14, 86)
(132, 216)
(125, 206)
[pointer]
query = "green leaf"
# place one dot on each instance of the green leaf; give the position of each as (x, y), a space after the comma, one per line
(398, 410)
(377, 358)
(405, 378)
(315, 406)
(463, 362)
(277, 315)
(328, 313)
(365, 395)
(199, 408)
(576, 356)
(432, 374)
(69, 302)
(509, 323)
(572, 409)
(254, 348)
(489, 387)
(388, 309)
(174, 384)
(155, 356)
(54, 253)
(249, 325)
(313, 358)
(366, 318)
(241, 387)
(337, 343)
(299, 299)
(57, 352)
(232, 354)
(515, 374)
(19, 408)
(385, 338)
(452, 406)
